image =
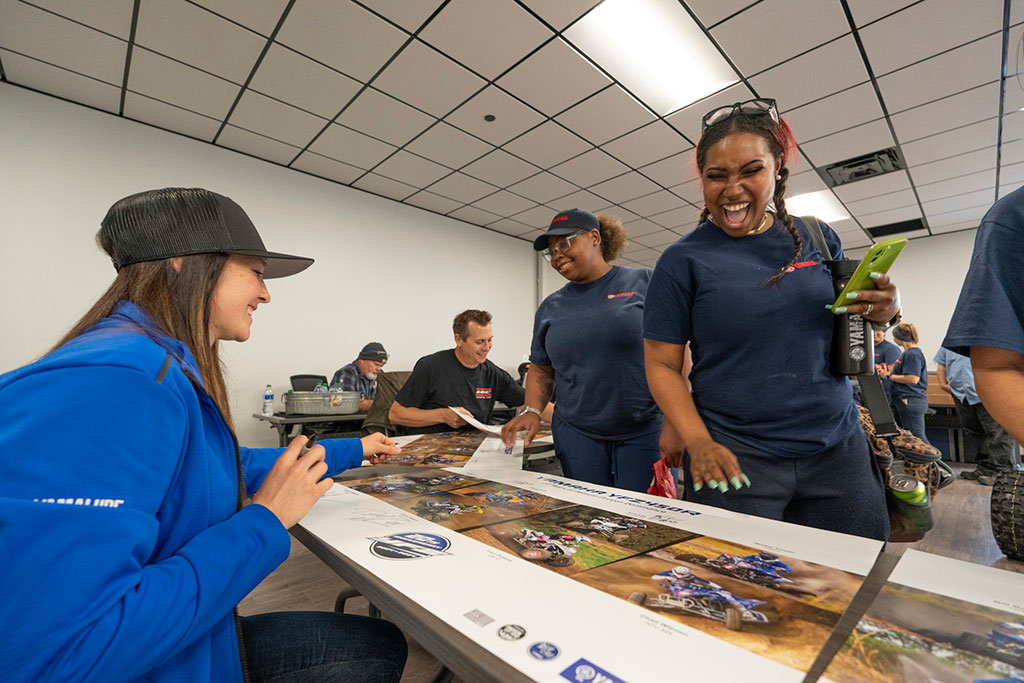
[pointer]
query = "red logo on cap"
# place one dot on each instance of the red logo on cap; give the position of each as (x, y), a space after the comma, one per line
(559, 218)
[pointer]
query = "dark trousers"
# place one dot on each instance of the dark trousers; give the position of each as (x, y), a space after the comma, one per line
(623, 463)
(911, 415)
(322, 647)
(839, 489)
(991, 445)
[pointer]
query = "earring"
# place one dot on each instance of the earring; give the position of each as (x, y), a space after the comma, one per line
(778, 177)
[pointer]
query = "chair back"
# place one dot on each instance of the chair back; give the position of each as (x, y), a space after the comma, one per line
(388, 384)
(306, 382)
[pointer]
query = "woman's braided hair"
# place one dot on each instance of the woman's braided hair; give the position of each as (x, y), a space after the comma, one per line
(782, 146)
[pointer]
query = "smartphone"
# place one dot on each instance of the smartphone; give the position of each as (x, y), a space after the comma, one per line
(878, 260)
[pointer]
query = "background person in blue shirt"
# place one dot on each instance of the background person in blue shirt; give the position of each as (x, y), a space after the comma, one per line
(748, 292)
(886, 355)
(126, 545)
(910, 381)
(361, 374)
(587, 346)
(985, 439)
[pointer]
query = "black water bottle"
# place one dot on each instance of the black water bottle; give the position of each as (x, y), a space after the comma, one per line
(853, 345)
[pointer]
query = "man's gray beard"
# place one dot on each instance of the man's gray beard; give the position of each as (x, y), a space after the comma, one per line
(372, 375)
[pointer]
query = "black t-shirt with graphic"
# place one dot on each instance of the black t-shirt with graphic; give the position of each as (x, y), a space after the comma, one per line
(440, 380)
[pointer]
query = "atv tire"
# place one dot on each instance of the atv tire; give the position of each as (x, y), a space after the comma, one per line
(560, 560)
(733, 618)
(972, 642)
(693, 559)
(537, 554)
(1007, 513)
(637, 597)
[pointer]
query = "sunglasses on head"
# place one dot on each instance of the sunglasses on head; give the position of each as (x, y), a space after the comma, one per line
(761, 106)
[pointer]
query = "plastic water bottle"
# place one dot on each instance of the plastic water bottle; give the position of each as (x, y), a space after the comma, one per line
(336, 387)
(268, 401)
(320, 388)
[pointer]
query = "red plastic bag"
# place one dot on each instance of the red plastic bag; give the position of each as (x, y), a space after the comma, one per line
(664, 484)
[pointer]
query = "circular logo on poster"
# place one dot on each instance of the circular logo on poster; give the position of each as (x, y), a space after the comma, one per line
(409, 546)
(857, 353)
(511, 632)
(544, 650)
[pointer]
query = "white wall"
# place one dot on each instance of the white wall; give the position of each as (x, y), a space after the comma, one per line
(385, 271)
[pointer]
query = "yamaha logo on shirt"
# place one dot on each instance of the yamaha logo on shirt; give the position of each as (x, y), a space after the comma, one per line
(483, 392)
(409, 546)
(802, 264)
(620, 294)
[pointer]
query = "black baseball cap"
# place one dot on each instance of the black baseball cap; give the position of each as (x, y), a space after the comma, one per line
(566, 223)
(373, 351)
(178, 221)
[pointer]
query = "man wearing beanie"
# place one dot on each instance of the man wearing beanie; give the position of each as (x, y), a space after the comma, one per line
(361, 374)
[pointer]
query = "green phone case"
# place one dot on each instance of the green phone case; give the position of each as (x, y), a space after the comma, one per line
(878, 260)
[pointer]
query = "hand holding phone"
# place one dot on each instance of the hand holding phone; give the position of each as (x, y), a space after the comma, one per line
(879, 259)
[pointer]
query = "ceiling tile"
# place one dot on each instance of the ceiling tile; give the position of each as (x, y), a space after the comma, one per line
(607, 115)
(39, 34)
(657, 239)
(181, 85)
(866, 11)
(873, 220)
(293, 78)
(409, 14)
(863, 139)
(688, 119)
(322, 166)
(818, 73)
(547, 145)
(342, 35)
(449, 146)
(711, 12)
(428, 80)
(468, 35)
(562, 13)
(352, 147)
(166, 116)
(966, 200)
(974, 213)
(504, 203)
(642, 227)
(384, 117)
(1014, 100)
(941, 76)
(512, 117)
(386, 187)
(260, 114)
(777, 18)
(652, 142)
(1011, 173)
(589, 168)
(640, 253)
(967, 139)
(685, 216)
(846, 226)
(509, 227)
(540, 216)
(581, 199)
(473, 215)
(199, 38)
(543, 187)
(261, 17)
(411, 169)
(954, 227)
(529, 237)
(257, 145)
(624, 187)
(60, 82)
(531, 81)
(433, 202)
(1013, 152)
(883, 202)
(500, 168)
(656, 202)
(952, 167)
(967, 183)
(834, 113)
(917, 33)
(111, 16)
(948, 113)
(872, 187)
(801, 183)
(691, 191)
(462, 187)
(672, 171)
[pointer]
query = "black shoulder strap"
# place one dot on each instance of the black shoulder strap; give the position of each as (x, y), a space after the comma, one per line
(814, 227)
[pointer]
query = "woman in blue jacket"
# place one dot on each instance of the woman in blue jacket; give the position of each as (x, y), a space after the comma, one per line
(910, 381)
(125, 541)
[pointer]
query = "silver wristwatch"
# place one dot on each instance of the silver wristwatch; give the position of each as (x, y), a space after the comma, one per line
(530, 409)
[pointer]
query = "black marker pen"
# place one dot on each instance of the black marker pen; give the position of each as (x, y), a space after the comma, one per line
(308, 446)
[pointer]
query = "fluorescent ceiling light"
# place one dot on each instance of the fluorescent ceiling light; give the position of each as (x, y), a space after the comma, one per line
(655, 49)
(822, 204)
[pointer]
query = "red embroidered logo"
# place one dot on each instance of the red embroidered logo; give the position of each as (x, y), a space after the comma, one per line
(616, 296)
(559, 218)
(802, 264)
(483, 392)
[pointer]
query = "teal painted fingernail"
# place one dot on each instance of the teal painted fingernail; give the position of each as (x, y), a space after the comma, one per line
(712, 483)
(851, 296)
(698, 486)
(724, 487)
(736, 483)
(746, 480)
(875, 276)
(841, 309)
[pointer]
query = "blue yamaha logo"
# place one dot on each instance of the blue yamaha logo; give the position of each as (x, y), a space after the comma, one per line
(409, 546)
(544, 650)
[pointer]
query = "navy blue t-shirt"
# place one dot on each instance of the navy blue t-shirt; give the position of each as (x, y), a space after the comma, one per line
(912, 362)
(990, 311)
(760, 352)
(886, 353)
(590, 334)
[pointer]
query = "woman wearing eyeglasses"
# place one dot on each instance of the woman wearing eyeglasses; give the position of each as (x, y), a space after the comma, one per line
(587, 346)
(769, 431)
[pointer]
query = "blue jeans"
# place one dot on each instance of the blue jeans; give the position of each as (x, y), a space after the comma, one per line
(839, 489)
(911, 413)
(626, 463)
(322, 647)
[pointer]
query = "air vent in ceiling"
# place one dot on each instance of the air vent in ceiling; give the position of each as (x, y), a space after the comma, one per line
(865, 166)
(896, 228)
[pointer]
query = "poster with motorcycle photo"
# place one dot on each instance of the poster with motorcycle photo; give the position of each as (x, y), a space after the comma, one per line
(601, 572)
(938, 619)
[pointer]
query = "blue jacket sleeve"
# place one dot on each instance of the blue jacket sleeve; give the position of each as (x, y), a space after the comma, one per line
(342, 454)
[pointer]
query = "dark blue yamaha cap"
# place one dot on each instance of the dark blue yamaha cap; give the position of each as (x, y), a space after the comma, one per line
(566, 223)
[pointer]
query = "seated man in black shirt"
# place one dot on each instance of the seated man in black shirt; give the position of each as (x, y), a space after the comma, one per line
(461, 378)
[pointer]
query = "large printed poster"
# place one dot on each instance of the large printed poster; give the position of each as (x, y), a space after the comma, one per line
(570, 581)
(938, 619)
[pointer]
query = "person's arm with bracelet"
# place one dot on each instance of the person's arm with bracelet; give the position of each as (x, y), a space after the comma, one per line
(999, 379)
(540, 383)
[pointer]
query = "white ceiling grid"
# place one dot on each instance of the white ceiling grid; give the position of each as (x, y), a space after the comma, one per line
(393, 98)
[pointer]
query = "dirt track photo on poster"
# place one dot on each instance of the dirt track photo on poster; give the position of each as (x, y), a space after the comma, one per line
(396, 486)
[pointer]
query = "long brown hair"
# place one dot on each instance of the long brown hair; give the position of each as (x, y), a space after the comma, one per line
(782, 146)
(179, 303)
